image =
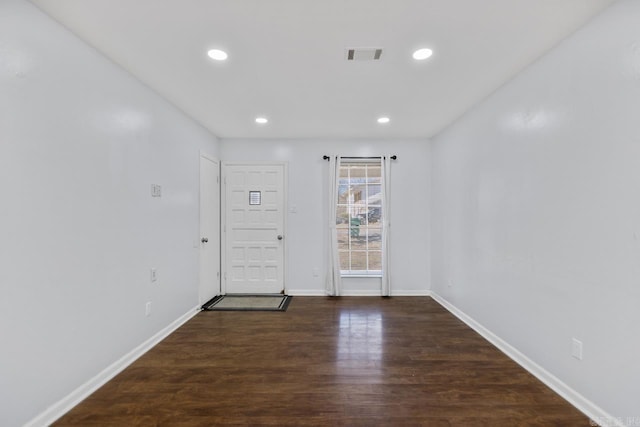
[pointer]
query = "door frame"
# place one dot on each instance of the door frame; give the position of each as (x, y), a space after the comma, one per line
(218, 236)
(223, 218)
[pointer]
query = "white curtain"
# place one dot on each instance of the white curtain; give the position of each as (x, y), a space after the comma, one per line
(386, 224)
(334, 280)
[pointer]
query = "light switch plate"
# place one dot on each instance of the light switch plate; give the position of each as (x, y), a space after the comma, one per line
(576, 349)
(147, 309)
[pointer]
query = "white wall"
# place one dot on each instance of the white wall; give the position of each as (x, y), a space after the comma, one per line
(536, 211)
(306, 233)
(81, 141)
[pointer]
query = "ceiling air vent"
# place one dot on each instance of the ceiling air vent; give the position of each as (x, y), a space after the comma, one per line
(364, 54)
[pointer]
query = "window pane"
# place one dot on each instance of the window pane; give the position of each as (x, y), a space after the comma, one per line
(358, 193)
(374, 215)
(358, 172)
(343, 238)
(342, 215)
(374, 172)
(343, 193)
(374, 194)
(344, 260)
(358, 260)
(375, 238)
(375, 260)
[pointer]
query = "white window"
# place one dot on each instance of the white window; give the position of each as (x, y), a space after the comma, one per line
(359, 218)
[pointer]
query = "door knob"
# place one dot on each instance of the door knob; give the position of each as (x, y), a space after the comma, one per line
(204, 240)
(280, 237)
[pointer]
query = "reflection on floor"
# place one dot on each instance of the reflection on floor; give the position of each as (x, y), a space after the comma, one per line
(360, 342)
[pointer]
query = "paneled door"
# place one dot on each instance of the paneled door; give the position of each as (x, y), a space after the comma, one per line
(254, 198)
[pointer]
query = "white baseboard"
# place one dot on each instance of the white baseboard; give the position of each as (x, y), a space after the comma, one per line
(358, 293)
(323, 293)
(306, 292)
(583, 404)
(64, 405)
(411, 293)
(394, 293)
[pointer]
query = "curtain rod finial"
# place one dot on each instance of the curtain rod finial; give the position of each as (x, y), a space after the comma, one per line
(325, 157)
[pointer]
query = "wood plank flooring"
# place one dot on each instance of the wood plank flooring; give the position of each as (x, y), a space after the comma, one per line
(350, 361)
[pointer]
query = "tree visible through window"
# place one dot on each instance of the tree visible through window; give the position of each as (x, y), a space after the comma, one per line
(359, 218)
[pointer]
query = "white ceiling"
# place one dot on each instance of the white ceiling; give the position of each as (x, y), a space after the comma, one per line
(287, 57)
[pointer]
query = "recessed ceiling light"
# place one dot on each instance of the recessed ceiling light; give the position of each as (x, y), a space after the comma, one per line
(217, 54)
(421, 54)
(383, 120)
(262, 120)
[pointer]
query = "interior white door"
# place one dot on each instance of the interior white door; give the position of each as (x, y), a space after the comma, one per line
(254, 227)
(209, 228)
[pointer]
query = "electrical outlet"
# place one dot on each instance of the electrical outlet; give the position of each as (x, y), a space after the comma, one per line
(316, 272)
(154, 274)
(576, 349)
(450, 284)
(147, 309)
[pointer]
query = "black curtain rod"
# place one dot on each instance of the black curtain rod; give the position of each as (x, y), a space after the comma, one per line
(394, 157)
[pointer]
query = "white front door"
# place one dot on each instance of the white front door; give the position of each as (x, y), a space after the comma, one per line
(254, 196)
(209, 228)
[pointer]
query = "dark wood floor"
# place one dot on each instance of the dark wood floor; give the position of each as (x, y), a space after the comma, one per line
(326, 362)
